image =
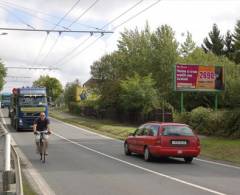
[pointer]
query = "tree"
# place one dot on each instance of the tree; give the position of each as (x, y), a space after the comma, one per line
(137, 94)
(236, 42)
(2, 75)
(216, 42)
(70, 92)
(53, 86)
(188, 46)
(229, 48)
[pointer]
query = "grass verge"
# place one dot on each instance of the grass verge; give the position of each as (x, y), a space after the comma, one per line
(211, 147)
(221, 149)
(27, 190)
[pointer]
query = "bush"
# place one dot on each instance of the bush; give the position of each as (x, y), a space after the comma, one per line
(208, 122)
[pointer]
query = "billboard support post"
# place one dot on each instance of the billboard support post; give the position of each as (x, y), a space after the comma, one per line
(216, 102)
(182, 105)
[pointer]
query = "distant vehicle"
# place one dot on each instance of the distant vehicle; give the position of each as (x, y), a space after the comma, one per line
(5, 100)
(26, 105)
(163, 140)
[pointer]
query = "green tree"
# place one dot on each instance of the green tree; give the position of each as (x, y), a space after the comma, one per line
(216, 42)
(137, 94)
(188, 46)
(229, 48)
(236, 42)
(3, 74)
(70, 92)
(53, 86)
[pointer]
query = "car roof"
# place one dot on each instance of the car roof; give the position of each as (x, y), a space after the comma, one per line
(165, 123)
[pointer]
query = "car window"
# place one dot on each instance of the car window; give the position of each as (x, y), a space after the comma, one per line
(153, 130)
(142, 130)
(177, 130)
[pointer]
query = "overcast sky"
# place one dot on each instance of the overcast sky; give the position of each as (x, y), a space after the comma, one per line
(23, 49)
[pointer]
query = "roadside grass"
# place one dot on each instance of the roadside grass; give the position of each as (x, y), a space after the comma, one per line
(216, 148)
(221, 149)
(27, 190)
(105, 127)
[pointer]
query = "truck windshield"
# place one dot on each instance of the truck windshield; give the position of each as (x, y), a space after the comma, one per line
(32, 101)
(7, 98)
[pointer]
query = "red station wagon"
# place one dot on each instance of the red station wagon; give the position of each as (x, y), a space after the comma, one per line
(163, 140)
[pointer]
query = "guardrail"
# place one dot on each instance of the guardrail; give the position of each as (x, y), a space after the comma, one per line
(11, 173)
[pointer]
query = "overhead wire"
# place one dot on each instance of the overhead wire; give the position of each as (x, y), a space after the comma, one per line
(50, 50)
(72, 50)
(60, 20)
(68, 12)
(84, 12)
(135, 15)
(85, 40)
(129, 9)
(114, 19)
(81, 51)
(22, 8)
(18, 18)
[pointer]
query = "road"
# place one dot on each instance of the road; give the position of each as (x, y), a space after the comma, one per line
(81, 162)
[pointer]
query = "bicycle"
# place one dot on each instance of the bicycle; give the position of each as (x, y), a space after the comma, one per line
(42, 146)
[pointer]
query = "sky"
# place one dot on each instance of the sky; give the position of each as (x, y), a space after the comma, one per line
(37, 49)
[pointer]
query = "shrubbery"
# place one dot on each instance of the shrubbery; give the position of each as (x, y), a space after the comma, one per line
(208, 122)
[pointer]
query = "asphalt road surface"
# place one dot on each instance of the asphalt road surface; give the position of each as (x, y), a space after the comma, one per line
(81, 162)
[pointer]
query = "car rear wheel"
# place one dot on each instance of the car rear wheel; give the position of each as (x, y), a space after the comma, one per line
(188, 159)
(126, 149)
(147, 154)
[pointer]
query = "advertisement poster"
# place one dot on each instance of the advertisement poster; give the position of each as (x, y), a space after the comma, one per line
(198, 78)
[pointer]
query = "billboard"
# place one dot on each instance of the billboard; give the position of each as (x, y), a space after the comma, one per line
(198, 78)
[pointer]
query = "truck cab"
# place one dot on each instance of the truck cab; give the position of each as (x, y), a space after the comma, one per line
(26, 105)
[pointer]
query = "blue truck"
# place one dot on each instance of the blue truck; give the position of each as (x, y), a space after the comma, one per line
(5, 100)
(26, 105)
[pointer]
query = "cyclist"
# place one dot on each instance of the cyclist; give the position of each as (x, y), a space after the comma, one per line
(41, 124)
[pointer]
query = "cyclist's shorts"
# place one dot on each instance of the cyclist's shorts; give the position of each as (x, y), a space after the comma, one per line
(37, 137)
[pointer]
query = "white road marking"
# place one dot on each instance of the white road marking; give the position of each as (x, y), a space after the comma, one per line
(202, 160)
(142, 168)
(216, 163)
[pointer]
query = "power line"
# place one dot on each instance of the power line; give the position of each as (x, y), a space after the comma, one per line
(68, 12)
(73, 50)
(59, 31)
(51, 49)
(135, 15)
(41, 48)
(18, 18)
(129, 9)
(31, 68)
(81, 51)
(23, 9)
(80, 44)
(28, 13)
(94, 3)
(61, 19)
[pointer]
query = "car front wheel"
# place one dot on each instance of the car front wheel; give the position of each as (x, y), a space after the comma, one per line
(147, 154)
(188, 159)
(126, 149)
